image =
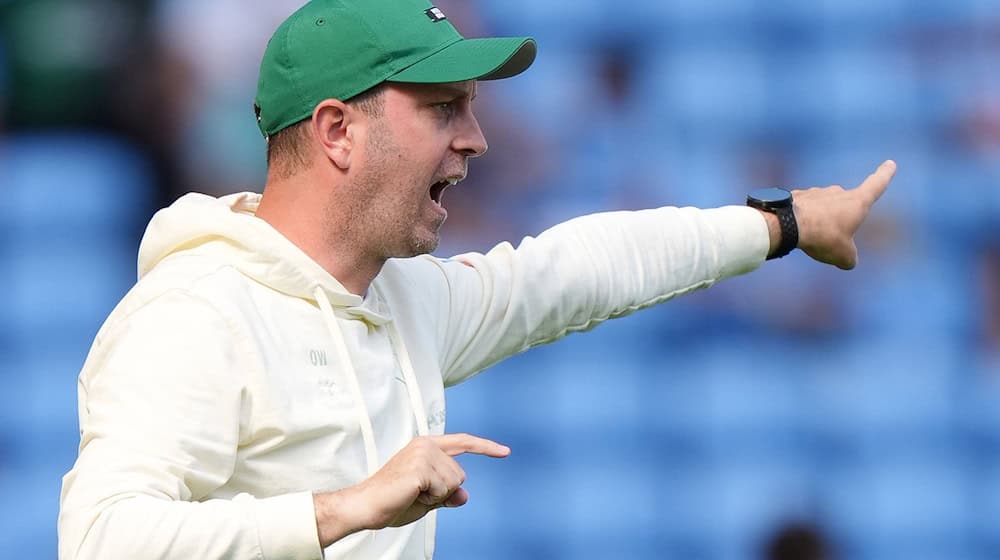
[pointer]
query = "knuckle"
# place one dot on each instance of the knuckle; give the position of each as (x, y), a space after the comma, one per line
(422, 447)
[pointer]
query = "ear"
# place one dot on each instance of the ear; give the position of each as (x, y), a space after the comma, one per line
(333, 127)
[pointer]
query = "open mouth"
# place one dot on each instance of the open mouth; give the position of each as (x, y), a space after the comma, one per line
(437, 189)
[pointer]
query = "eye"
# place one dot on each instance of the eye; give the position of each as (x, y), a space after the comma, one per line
(446, 107)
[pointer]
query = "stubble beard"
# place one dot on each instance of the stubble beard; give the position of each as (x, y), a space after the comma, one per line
(391, 228)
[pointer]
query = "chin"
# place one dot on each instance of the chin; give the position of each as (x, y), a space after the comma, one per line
(426, 241)
(426, 246)
(417, 246)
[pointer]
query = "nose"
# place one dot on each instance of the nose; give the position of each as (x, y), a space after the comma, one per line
(470, 141)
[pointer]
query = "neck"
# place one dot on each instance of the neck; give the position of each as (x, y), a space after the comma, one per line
(301, 210)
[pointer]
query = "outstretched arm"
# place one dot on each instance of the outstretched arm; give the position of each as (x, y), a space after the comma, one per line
(592, 268)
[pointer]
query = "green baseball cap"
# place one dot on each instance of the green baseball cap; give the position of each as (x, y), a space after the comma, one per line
(340, 48)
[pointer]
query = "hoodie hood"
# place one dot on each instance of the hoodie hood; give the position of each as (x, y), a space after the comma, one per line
(227, 228)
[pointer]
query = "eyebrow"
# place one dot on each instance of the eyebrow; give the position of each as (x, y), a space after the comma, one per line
(457, 91)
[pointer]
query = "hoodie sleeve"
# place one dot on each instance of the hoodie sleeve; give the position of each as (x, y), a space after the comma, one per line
(160, 408)
(584, 271)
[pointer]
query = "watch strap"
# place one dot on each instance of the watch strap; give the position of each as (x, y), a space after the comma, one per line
(789, 232)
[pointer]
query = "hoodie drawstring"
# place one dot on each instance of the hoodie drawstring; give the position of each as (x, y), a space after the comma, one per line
(417, 402)
(416, 398)
(364, 419)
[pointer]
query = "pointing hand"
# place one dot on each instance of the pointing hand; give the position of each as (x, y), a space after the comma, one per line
(829, 217)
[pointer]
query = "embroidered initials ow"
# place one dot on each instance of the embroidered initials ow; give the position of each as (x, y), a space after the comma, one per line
(317, 357)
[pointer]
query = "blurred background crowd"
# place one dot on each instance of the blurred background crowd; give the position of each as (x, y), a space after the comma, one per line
(800, 412)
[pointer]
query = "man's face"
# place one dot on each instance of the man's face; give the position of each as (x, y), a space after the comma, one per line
(420, 143)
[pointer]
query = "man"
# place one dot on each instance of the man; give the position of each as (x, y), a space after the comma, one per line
(273, 386)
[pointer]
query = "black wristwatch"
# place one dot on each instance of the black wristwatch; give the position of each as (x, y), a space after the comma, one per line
(779, 203)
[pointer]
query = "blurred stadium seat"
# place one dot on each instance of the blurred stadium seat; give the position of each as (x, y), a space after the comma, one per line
(68, 256)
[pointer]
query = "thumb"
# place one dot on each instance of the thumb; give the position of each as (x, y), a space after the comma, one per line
(458, 498)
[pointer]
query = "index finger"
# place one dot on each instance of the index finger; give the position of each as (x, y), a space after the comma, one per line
(876, 183)
(457, 444)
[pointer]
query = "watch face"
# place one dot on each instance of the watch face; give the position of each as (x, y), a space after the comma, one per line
(771, 195)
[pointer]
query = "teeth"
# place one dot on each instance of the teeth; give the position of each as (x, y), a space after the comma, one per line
(452, 181)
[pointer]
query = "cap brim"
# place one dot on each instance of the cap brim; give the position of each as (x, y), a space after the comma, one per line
(472, 59)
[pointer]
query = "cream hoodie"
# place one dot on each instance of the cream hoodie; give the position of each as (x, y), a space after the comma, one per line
(238, 377)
